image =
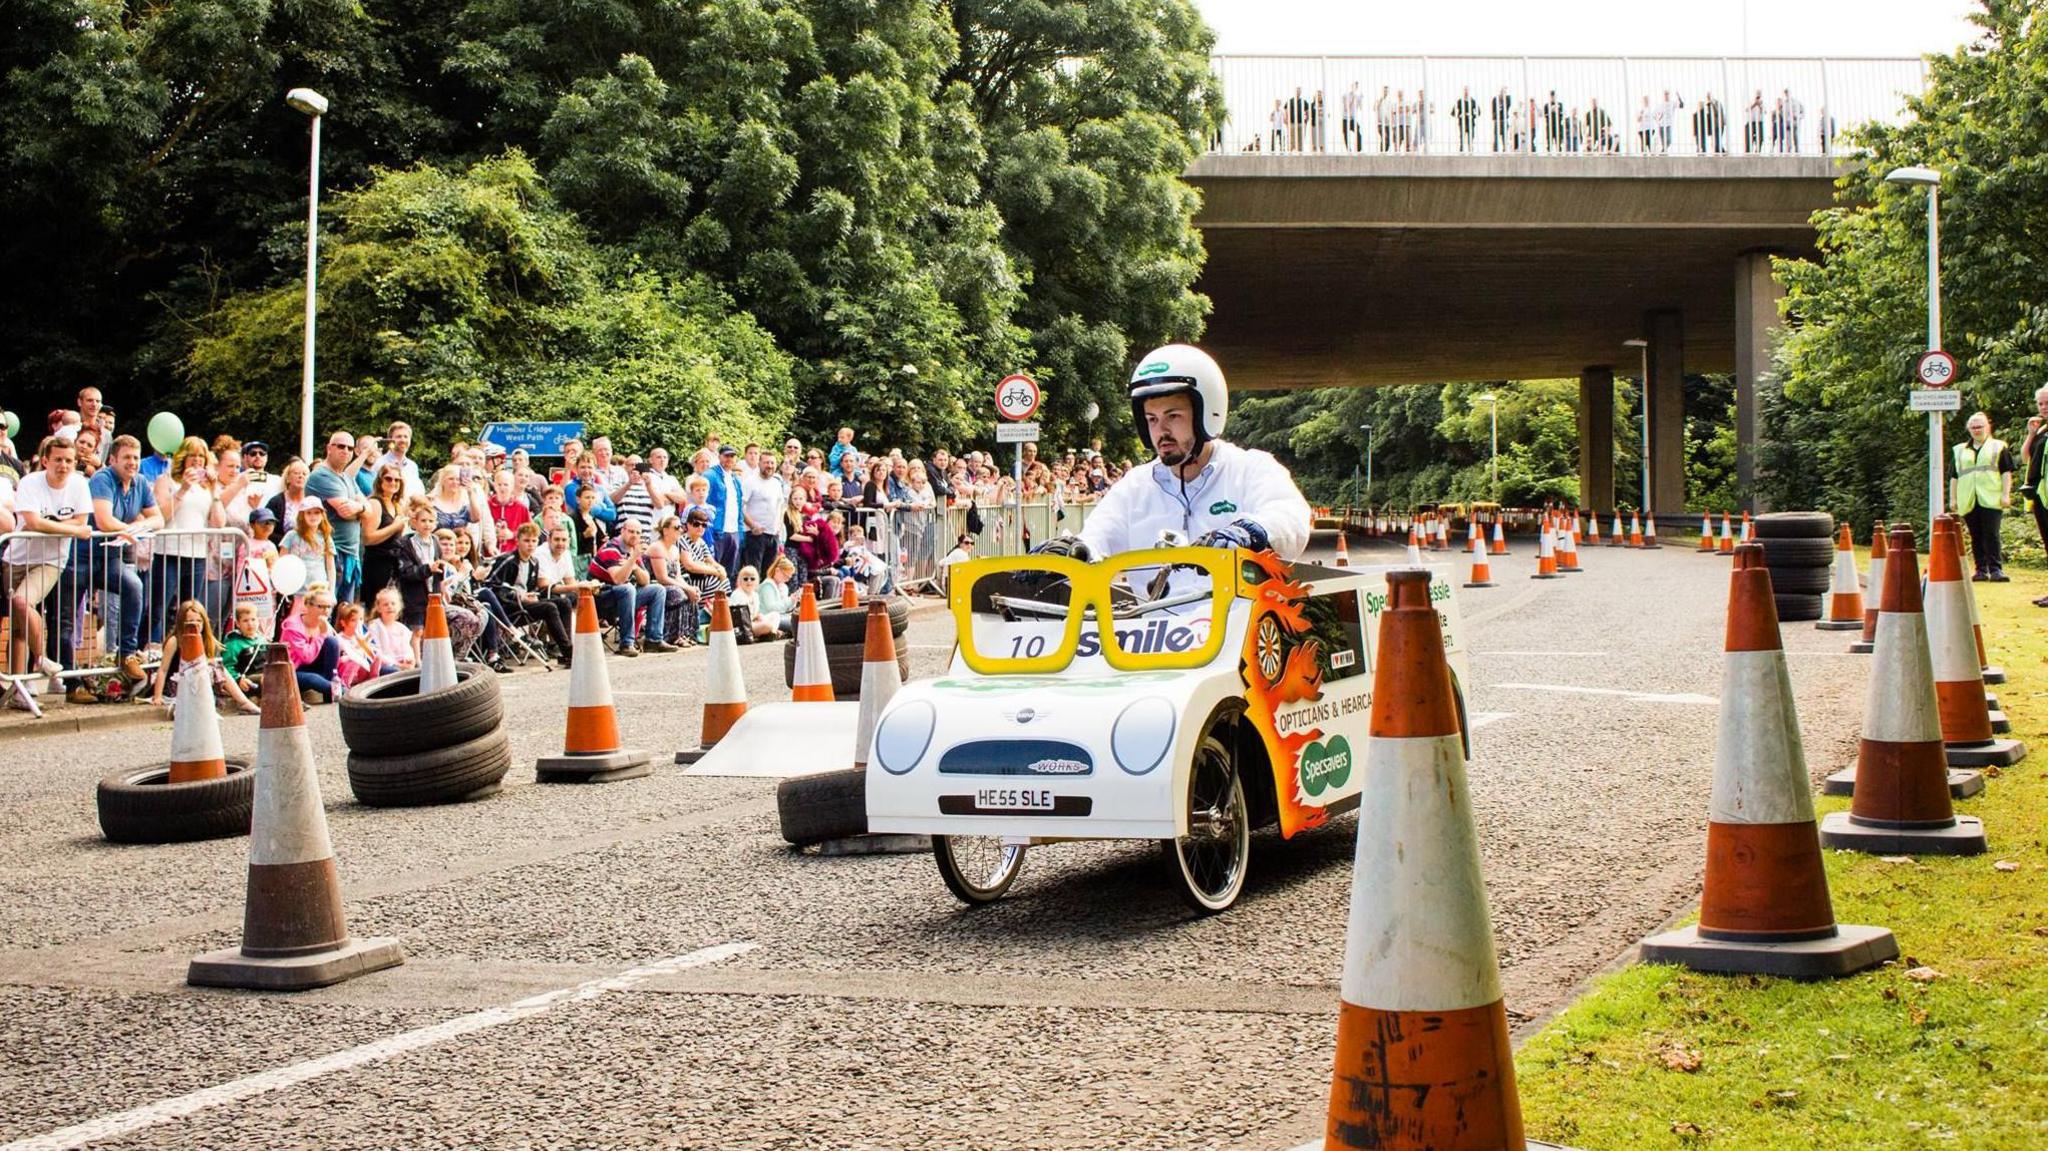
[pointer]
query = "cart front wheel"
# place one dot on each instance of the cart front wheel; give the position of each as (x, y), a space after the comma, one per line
(977, 868)
(1209, 863)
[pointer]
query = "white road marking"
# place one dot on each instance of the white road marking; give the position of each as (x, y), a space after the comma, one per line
(675, 694)
(1586, 654)
(1479, 719)
(277, 1079)
(1624, 693)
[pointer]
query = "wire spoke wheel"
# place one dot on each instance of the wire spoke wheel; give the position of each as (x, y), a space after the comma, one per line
(977, 868)
(1211, 859)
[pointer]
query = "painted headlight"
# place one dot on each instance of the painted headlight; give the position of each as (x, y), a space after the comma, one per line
(1142, 734)
(903, 735)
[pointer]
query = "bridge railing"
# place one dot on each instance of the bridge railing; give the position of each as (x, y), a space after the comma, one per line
(1560, 106)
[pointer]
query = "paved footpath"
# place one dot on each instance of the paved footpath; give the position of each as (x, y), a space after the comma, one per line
(645, 964)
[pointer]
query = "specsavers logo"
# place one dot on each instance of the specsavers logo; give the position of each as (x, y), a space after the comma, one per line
(1149, 638)
(1325, 765)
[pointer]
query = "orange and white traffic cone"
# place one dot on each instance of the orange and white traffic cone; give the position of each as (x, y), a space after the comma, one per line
(849, 595)
(437, 651)
(294, 935)
(1992, 674)
(1617, 538)
(1635, 529)
(1500, 538)
(1650, 533)
(1727, 536)
(1420, 1000)
(1567, 549)
(1482, 571)
(592, 751)
(880, 679)
(1706, 533)
(1902, 804)
(1875, 583)
(813, 676)
(196, 751)
(1343, 559)
(1546, 555)
(725, 688)
(1748, 529)
(1765, 910)
(1958, 670)
(1593, 530)
(1474, 534)
(1845, 595)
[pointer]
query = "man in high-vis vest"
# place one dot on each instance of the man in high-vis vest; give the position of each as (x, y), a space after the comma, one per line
(1982, 490)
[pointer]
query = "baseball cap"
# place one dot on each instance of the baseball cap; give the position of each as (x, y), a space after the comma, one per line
(262, 516)
(256, 446)
(728, 450)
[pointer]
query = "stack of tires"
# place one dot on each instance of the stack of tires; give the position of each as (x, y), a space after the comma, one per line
(846, 639)
(409, 750)
(1799, 549)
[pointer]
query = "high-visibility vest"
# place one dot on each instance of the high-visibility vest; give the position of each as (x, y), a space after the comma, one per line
(1977, 480)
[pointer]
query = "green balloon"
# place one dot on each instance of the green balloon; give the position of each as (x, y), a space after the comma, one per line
(13, 425)
(166, 432)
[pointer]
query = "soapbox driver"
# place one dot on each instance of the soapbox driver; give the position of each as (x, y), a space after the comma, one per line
(1187, 695)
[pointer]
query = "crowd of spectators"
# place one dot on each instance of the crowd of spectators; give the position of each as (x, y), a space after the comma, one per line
(138, 542)
(1394, 123)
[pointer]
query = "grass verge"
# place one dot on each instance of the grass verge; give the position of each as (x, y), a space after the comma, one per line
(1947, 1049)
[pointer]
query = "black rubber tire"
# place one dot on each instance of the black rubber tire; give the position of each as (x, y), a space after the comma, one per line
(845, 660)
(444, 775)
(842, 626)
(1801, 580)
(1797, 608)
(137, 806)
(387, 716)
(1781, 552)
(1795, 526)
(815, 808)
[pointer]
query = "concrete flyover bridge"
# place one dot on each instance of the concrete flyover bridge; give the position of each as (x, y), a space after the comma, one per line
(1574, 205)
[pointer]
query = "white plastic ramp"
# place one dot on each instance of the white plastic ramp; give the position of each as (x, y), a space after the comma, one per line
(780, 740)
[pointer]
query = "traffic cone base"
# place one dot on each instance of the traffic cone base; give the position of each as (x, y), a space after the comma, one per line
(1965, 836)
(1961, 784)
(294, 936)
(591, 751)
(1852, 948)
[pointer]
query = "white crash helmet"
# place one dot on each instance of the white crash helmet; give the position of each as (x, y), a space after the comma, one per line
(1182, 369)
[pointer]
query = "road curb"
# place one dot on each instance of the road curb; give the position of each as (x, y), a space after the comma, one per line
(74, 719)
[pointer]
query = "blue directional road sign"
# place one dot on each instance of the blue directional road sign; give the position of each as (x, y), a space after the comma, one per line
(538, 437)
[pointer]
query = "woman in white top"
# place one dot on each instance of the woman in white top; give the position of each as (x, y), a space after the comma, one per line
(179, 569)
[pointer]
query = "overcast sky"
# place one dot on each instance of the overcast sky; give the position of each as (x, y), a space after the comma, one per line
(1588, 27)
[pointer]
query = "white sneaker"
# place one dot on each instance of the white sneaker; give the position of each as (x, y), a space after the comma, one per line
(50, 667)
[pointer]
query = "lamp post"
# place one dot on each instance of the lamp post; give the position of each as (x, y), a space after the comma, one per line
(1367, 429)
(1930, 179)
(314, 105)
(1645, 414)
(1492, 403)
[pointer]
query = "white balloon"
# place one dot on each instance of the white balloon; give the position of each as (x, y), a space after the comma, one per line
(288, 575)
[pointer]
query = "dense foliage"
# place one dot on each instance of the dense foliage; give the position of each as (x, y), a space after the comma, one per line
(1840, 437)
(869, 209)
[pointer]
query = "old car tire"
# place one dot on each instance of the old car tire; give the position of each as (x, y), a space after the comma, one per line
(815, 808)
(843, 626)
(1794, 608)
(1794, 526)
(469, 770)
(388, 716)
(138, 806)
(978, 869)
(1801, 580)
(1781, 552)
(1209, 872)
(845, 660)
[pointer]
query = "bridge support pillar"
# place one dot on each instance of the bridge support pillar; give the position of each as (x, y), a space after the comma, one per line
(1665, 388)
(1596, 438)
(1756, 325)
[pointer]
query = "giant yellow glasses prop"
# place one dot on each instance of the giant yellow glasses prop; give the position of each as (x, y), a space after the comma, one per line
(1134, 591)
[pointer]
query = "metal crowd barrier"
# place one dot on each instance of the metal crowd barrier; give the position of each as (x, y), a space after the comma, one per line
(83, 588)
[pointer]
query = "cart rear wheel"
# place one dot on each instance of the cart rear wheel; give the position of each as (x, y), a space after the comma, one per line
(977, 868)
(1209, 863)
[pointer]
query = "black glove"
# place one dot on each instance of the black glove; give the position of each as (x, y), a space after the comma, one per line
(1065, 545)
(1236, 534)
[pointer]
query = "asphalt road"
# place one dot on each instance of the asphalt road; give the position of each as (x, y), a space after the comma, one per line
(857, 1005)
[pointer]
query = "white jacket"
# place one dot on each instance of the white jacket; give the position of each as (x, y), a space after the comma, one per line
(1237, 484)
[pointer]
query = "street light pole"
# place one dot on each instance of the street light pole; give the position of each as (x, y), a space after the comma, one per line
(1492, 403)
(1644, 345)
(314, 105)
(1930, 179)
(1367, 429)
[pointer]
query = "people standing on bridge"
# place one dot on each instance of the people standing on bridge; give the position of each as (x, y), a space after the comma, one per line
(1553, 124)
(1795, 116)
(1528, 125)
(1401, 113)
(1383, 117)
(2033, 454)
(1422, 113)
(1465, 114)
(1353, 100)
(1826, 126)
(1318, 121)
(1646, 126)
(1667, 118)
(1711, 125)
(1297, 118)
(1753, 124)
(1981, 471)
(1278, 122)
(1574, 125)
(1503, 108)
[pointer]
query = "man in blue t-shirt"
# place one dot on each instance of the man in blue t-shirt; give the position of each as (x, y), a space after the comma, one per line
(344, 503)
(121, 503)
